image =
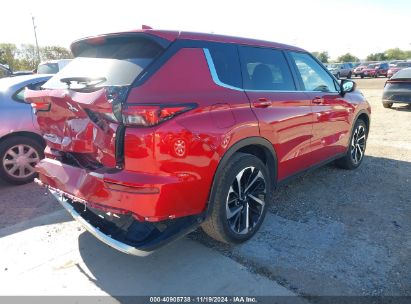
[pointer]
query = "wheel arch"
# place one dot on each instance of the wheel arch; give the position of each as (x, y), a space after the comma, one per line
(27, 134)
(364, 116)
(257, 146)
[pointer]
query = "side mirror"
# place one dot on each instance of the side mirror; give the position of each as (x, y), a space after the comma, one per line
(347, 86)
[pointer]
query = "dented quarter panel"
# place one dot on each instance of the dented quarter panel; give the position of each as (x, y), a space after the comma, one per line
(67, 126)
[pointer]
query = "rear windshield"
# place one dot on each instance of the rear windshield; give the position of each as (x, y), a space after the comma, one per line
(405, 73)
(116, 60)
(48, 68)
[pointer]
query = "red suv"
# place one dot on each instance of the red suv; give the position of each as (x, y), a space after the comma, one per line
(376, 69)
(153, 133)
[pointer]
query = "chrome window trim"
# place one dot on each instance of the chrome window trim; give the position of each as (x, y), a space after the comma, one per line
(218, 82)
(213, 72)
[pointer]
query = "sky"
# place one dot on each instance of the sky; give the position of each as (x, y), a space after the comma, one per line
(360, 27)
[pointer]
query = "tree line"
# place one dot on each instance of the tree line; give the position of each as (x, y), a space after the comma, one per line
(390, 54)
(25, 57)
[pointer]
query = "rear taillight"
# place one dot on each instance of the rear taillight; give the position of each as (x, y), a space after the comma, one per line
(151, 115)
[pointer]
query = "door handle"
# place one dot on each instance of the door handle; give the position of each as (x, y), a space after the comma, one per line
(262, 103)
(318, 100)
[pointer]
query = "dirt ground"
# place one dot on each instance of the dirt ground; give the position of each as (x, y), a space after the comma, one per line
(20, 203)
(329, 232)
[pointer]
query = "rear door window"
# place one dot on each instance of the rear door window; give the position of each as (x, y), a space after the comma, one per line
(313, 75)
(265, 69)
(118, 60)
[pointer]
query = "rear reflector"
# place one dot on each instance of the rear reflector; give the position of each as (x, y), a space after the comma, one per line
(151, 115)
(40, 106)
(132, 189)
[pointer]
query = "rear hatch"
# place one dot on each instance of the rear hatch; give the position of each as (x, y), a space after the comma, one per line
(79, 108)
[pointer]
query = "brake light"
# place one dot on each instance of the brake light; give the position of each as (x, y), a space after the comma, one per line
(151, 115)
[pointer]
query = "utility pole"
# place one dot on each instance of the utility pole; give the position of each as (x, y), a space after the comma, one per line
(35, 36)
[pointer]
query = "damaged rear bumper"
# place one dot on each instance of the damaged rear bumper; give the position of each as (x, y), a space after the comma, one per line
(122, 231)
(96, 232)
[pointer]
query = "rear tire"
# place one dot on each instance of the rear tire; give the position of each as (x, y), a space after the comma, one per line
(241, 198)
(18, 156)
(356, 148)
(338, 75)
(349, 75)
(387, 105)
(362, 76)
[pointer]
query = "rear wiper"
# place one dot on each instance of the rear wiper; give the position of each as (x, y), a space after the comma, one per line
(87, 81)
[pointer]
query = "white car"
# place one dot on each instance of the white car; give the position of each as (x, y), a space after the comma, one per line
(52, 66)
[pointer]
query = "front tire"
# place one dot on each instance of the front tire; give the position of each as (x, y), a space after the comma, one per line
(356, 149)
(18, 157)
(241, 196)
(387, 105)
(349, 75)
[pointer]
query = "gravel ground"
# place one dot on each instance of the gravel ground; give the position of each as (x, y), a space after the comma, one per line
(329, 232)
(338, 232)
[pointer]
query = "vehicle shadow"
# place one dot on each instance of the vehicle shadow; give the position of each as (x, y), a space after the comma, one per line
(184, 267)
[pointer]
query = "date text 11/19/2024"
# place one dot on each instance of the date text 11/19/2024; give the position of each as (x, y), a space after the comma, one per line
(204, 299)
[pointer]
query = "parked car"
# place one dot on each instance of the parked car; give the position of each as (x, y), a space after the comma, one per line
(4, 71)
(397, 67)
(153, 133)
(359, 70)
(397, 89)
(341, 69)
(52, 66)
(376, 70)
(21, 145)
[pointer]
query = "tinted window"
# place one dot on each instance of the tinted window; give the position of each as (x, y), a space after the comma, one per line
(405, 73)
(117, 59)
(48, 68)
(226, 63)
(265, 69)
(313, 76)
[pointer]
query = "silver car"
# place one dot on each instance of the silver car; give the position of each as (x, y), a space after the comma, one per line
(341, 69)
(21, 145)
